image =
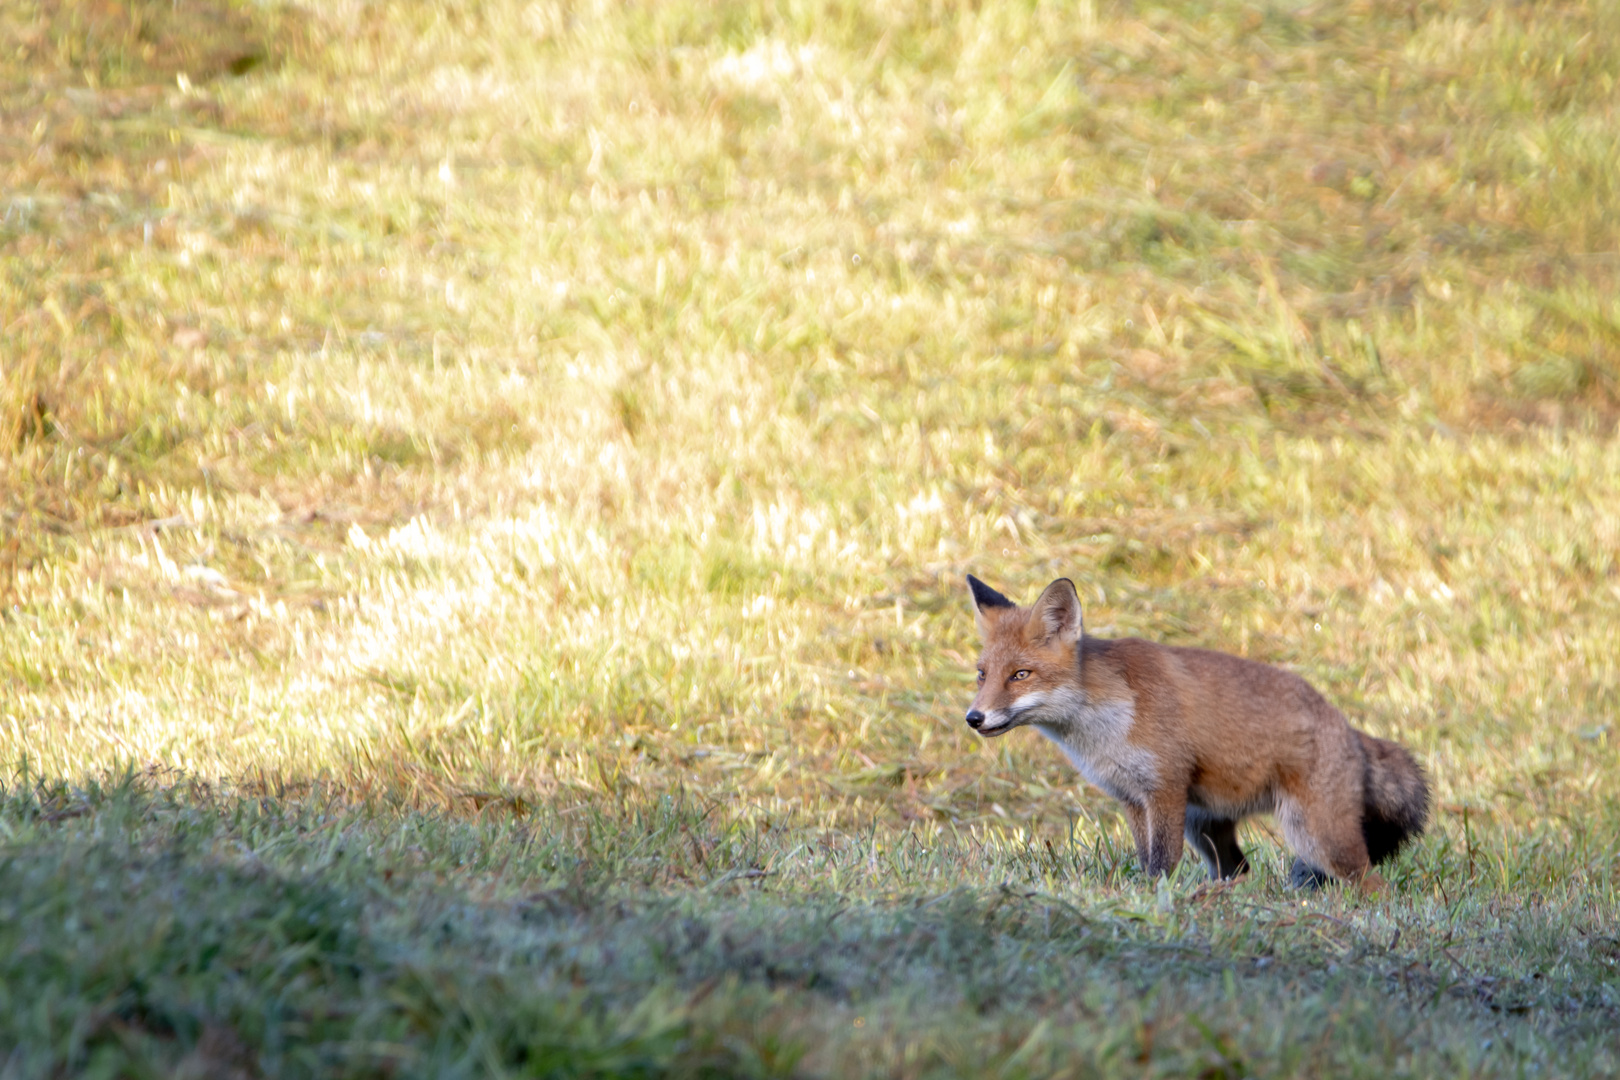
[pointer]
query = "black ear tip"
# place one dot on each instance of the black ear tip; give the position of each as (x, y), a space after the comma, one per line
(986, 597)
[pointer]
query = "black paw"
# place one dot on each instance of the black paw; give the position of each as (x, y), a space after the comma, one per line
(1306, 876)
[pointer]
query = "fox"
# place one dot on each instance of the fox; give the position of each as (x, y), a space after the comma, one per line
(1191, 741)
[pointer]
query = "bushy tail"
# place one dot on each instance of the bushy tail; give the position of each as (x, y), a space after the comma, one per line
(1397, 795)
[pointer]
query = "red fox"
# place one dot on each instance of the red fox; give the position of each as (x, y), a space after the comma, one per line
(1192, 741)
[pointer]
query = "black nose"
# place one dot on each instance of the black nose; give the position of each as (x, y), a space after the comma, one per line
(975, 719)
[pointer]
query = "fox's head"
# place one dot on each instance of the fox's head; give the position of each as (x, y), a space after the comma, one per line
(1029, 663)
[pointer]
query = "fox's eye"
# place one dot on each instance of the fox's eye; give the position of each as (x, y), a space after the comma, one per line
(981, 674)
(1019, 675)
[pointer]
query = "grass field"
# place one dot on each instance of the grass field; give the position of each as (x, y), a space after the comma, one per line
(485, 489)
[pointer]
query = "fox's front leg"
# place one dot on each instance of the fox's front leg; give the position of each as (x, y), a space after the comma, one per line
(1137, 818)
(1159, 839)
(1157, 828)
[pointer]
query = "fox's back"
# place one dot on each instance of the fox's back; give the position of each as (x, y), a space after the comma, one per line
(1220, 710)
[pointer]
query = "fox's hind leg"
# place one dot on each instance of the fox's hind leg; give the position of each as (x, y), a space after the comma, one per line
(1305, 876)
(1327, 838)
(1215, 839)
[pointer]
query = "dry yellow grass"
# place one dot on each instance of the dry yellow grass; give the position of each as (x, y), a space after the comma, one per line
(569, 395)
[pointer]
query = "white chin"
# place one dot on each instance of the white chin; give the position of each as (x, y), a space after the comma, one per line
(992, 732)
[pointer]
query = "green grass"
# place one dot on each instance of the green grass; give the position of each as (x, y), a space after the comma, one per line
(302, 934)
(534, 450)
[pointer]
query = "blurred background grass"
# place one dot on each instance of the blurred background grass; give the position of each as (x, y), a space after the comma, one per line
(488, 406)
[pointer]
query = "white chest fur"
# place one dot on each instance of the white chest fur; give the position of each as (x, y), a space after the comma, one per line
(1093, 738)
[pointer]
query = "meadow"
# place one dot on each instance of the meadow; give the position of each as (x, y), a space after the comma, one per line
(486, 488)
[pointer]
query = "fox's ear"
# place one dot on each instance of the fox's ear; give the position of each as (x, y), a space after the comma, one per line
(1058, 612)
(986, 597)
(986, 601)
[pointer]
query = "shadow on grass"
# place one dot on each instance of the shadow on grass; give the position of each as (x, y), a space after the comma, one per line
(187, 930)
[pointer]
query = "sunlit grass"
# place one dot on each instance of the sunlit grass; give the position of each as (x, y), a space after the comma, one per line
(499, 407)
